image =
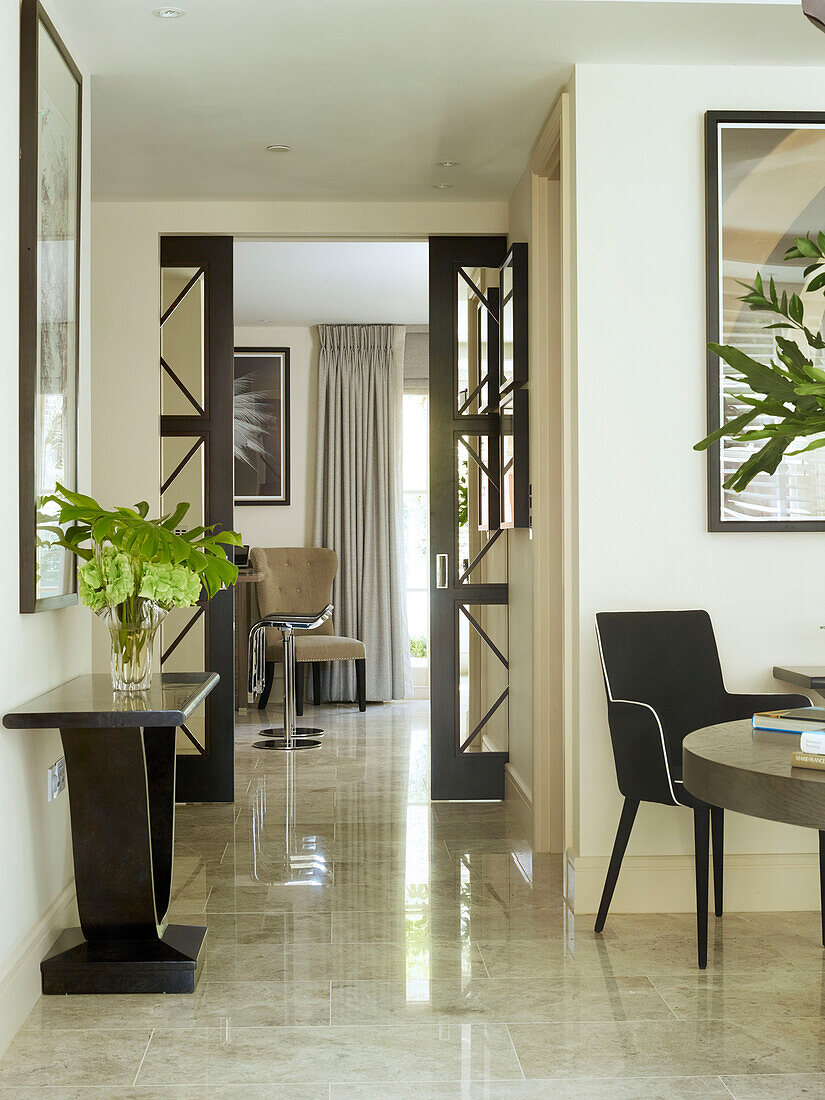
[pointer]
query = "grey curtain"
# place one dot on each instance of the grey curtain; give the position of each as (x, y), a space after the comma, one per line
(359, 502)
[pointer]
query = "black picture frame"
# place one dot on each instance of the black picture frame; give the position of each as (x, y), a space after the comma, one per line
(247, 499)
(714, 122)
(32, 127)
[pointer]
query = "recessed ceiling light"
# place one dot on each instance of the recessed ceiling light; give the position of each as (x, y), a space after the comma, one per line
(442, 186)
(169, 13)
(279, 148)
(448, 163)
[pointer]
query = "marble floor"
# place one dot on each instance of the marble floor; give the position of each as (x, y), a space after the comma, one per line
(364, 944)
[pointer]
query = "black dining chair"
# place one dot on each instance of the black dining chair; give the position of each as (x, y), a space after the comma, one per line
(663, 680)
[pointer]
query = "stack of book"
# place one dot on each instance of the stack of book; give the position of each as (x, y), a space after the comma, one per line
(808, 722)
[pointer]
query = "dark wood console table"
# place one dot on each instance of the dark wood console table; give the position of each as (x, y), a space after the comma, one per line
(120, 766)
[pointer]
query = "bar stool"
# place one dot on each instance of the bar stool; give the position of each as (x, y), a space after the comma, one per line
(290, 737)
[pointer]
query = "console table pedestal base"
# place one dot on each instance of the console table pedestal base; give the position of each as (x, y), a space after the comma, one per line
(171, 964)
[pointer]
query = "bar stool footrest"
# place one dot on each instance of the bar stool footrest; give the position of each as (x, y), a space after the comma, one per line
(282, 745)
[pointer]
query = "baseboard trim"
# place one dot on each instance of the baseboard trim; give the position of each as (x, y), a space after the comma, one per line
(520, 798)
(20, 972)
(666, 884)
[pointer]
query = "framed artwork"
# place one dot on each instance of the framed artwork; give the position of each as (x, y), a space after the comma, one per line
(261, 401)
(765, 186)
(50, 187)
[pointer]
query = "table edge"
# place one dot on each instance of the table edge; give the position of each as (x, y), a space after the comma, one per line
(22, 719)
(788, 676)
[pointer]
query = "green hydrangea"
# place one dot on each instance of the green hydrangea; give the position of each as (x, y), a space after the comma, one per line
(170, 585)
(90, 585)
(106, 579)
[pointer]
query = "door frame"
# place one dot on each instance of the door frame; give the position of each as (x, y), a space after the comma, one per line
(554, 486)
(210, 776)
(454, 776)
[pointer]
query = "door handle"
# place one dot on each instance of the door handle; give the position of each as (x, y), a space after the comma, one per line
(441, 570)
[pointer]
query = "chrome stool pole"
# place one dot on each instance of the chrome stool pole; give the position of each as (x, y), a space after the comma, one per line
(291, 737)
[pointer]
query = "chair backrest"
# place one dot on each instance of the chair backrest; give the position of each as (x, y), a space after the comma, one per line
(669, 661)
(295, 578)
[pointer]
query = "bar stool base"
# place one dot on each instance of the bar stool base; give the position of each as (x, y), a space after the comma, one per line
(300, 731)
(282, 746)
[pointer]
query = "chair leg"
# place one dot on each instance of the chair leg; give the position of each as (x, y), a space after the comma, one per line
(299, 688)
(628, 816)
(269, 676)
(701, 842)
(361, 683)
(822, 882)
(717, 840)
(316, 683)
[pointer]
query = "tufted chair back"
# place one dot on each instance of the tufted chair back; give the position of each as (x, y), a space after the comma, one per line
(295, 578)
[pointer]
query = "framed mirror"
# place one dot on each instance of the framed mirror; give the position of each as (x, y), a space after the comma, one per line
(765, 186)
(50, 188)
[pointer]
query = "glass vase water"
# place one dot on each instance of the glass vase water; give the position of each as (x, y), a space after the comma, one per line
(133, 625)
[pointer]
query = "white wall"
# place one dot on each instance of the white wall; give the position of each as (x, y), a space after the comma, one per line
(288, 525)
(37, 652)
(642, 506)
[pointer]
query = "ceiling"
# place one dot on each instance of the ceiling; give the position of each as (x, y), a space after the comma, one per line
(334, 282)
(371, 94)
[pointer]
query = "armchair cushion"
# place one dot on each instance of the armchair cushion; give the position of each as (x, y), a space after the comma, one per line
(328, 649)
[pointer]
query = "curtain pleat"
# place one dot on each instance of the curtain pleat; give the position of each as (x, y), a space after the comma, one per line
(359, 502)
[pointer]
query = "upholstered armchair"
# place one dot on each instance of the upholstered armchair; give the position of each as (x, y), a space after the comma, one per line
(299, 579)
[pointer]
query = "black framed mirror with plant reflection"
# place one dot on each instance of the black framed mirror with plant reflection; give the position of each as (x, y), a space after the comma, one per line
(765, 175)
(50, 188)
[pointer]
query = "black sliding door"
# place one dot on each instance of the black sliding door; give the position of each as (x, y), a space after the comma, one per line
(468, 587)
(196, 373)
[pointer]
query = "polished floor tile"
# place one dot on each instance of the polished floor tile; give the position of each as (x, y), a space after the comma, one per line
(612, 1088)
(633, 1049)
(74, 1058)
(789, 1086)
(276, 1055)
(509, 1000)
(374, 946)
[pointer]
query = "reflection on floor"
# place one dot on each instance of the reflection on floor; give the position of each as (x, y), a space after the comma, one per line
(365, 945)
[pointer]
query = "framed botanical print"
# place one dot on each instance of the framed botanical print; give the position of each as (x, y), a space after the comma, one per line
(50, 188)
(765, 187)
(261, 404)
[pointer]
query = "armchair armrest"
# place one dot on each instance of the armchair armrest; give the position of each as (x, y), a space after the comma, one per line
(639, 752)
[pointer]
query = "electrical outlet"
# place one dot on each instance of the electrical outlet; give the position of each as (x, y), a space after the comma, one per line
(57, 779)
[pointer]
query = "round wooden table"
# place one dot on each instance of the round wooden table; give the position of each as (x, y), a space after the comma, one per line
(732, 766)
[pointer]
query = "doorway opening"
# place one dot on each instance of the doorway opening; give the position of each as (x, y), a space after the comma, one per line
(290, 295)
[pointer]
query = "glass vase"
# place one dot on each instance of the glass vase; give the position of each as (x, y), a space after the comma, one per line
(132, 626)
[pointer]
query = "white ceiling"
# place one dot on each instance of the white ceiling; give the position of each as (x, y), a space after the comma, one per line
(371, 93)
(333, 282)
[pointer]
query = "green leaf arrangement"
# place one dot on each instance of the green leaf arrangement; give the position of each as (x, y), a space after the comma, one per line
(790, 388)
(86, 529)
